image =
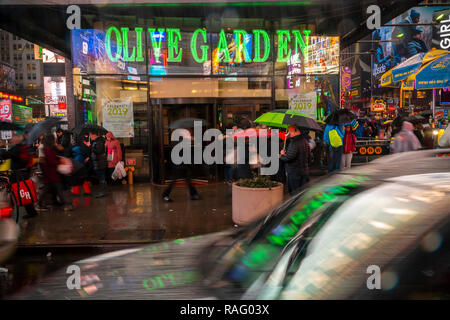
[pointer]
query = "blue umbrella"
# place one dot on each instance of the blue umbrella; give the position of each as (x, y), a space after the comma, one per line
(434, 75)
(404, 69)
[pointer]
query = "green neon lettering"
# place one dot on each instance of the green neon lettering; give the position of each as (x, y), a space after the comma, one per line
(108, 43)
(284, 37)
(146, 286)
(140, 56)
(257, 40)
(247, 56)
(300, 43)
(223, 47)
(156, 45)
(126, 57)
(175, 53)
(203, 48)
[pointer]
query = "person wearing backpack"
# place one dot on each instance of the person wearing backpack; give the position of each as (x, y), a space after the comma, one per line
(333, 137)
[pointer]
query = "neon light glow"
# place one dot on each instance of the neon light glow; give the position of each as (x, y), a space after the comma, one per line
(203, 48)
(257, 33)
(223, 47)
(139, 57)
(247, 56)
(108, 44)
(126, 57)
(284, 37)
(156, 44)
(175, 50)
(174, 53)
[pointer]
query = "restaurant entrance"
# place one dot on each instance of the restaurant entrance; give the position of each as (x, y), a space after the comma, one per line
(175, 109)
(241, 112)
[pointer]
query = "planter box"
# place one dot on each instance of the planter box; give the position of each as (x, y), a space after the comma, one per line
(251, 204)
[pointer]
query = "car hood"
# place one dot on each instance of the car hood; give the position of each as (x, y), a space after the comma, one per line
(167, 270)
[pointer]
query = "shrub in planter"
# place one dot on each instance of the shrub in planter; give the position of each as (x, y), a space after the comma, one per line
(254, 198)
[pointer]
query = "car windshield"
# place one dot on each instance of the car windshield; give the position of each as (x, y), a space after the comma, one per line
(299, 218)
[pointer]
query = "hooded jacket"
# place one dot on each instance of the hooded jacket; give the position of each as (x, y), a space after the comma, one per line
(98, 154)
(113, 146)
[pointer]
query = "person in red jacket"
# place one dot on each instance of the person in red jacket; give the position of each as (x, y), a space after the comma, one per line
(114, 154)
(349, 143)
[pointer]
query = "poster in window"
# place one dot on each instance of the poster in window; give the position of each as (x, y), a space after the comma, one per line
(118, 117)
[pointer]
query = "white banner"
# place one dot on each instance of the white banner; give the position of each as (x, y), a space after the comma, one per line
(118, 117)
(304, 103)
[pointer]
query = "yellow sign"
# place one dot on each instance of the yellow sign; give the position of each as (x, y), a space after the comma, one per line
(378, 106)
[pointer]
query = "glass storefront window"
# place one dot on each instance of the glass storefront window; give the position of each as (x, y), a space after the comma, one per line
(119, 105)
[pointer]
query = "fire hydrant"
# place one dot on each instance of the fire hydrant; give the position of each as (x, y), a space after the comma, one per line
(130, 170)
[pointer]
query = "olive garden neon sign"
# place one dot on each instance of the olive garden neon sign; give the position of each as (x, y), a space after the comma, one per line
(260, 36)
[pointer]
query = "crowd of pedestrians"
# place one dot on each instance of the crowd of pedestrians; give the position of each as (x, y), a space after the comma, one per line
(67, 164)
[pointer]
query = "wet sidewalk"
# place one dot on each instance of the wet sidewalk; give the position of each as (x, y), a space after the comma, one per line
(131, 214)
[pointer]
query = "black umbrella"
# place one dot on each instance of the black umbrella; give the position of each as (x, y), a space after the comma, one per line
(340, 116)
(28, 127)
(186, 123)
(41, 128)
(8, 126)
(88, 127)
(416, 119)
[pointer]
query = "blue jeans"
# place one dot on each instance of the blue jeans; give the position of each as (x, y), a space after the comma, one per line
(335, 159)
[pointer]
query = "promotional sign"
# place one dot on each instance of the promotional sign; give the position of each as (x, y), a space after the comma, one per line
(118, 117)
(441, 113)
(5, 110)
(22, 115)
(322, 55)
(304, 102)
(402, 42)
(378, 106)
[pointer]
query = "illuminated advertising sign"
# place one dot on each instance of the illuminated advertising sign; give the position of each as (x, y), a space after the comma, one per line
(346, 79)
(445, 95)
(51, 57)
(21, 114)
(173, 37)
(378, 106)
(441, 31)
(5, 110)
(322, 55)
(12, 97)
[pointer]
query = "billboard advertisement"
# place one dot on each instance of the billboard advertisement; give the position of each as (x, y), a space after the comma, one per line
(323, 55)
(5, 110)
(400, 43)
(89, 53)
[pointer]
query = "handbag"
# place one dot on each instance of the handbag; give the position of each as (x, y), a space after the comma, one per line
(24, 192)
(119, 171)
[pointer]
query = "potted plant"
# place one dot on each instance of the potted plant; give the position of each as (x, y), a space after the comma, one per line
(253, 198)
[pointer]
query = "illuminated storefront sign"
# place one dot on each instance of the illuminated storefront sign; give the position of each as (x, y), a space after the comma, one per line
(261, 43)
(378, 106)
(12, 97)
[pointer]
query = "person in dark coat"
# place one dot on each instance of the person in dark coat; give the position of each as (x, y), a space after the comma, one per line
(19, 164)
(296, 158)
(52, 178)
(64, 143)
(98, 157)
(416, 44)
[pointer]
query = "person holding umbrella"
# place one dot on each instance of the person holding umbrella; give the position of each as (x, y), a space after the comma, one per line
(296, 158)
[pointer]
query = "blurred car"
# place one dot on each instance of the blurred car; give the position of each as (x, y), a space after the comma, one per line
(378, 231)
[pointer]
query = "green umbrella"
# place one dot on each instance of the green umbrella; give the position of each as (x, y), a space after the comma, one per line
(283, 118)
